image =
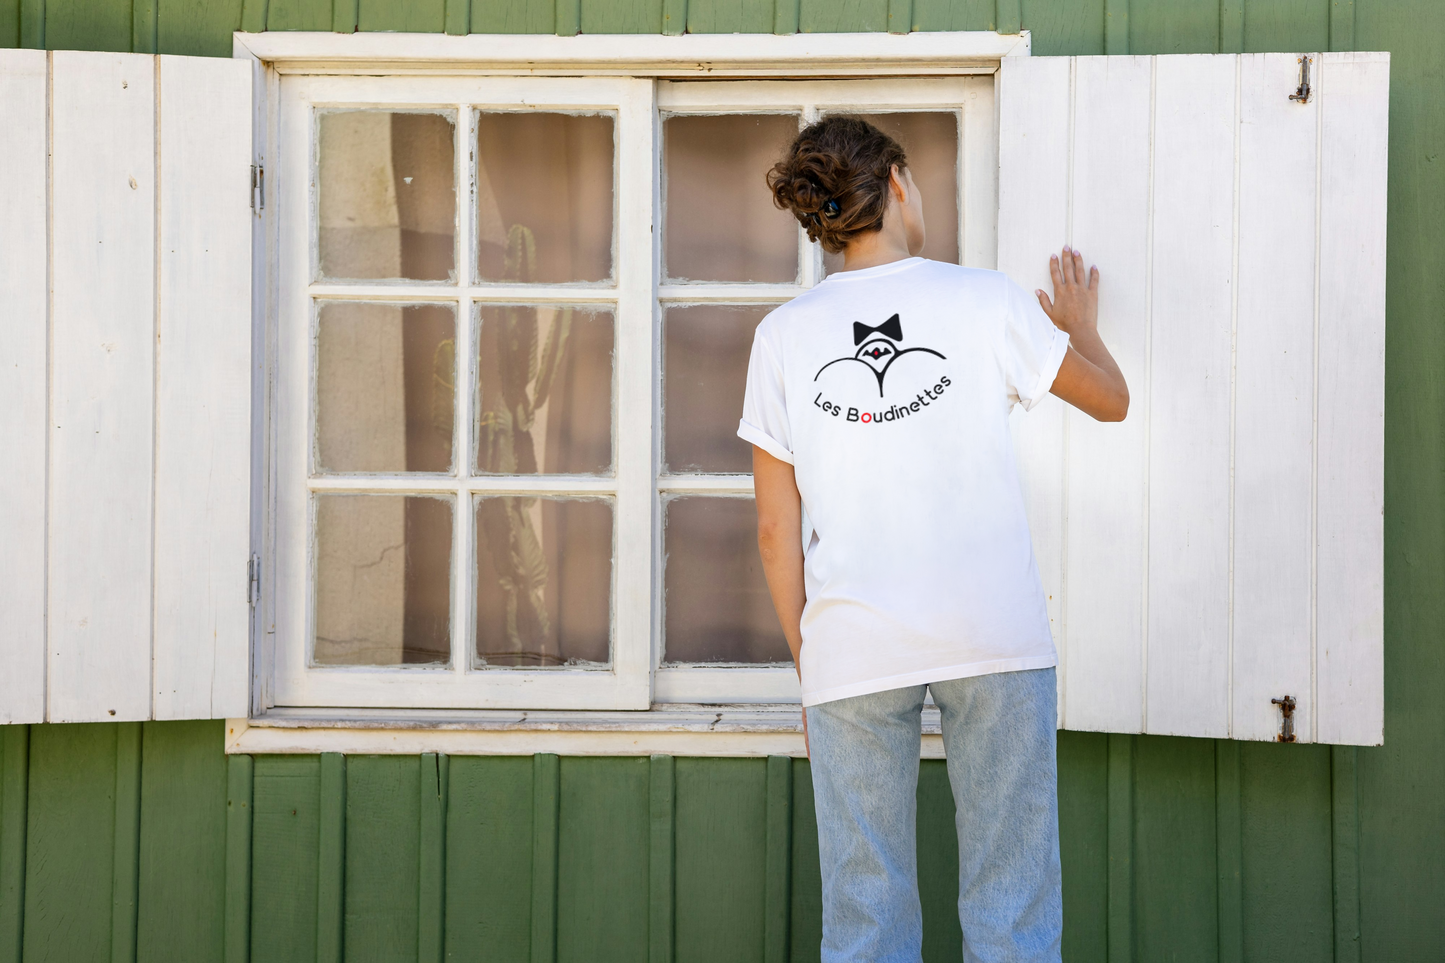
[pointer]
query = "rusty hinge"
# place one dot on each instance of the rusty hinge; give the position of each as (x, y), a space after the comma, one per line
(1302, 92)
(1286, 724)
(258, 188)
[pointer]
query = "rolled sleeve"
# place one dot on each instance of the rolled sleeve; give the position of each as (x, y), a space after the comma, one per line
(1033, 348)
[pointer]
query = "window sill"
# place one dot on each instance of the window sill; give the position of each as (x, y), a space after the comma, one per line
(678, 730)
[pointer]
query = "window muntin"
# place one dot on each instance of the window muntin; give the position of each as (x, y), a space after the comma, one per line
(638, 495)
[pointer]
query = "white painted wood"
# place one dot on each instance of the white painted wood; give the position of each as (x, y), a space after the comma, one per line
(1033, 157)
(203, 390)
(23, 375)
(1274, 399)
(1243, 496)
(978, 174)
(1354, 93)
(734, 684)
(1187, 669)
(1105, 465)
(710, 55)
(102, 362)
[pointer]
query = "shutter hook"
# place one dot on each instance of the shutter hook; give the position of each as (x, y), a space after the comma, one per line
(1286, 725)
(1302, 92)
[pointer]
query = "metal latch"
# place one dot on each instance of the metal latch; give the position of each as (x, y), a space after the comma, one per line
(1286, 725)
(253, 579)
(1302, 92)
(258, 188)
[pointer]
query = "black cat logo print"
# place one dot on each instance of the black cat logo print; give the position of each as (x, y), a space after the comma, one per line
(877, 348)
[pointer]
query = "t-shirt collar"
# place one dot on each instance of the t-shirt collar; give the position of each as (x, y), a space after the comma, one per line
(879, 270)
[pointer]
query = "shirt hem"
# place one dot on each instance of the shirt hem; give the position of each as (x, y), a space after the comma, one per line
(925, 676)
(1050, 371)
(755, 435)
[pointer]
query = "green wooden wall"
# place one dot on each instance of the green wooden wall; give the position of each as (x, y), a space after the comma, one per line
(143, 842)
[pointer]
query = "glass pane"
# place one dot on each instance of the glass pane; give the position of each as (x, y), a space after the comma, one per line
(383, 580)
(721, 222)
(544, 197)
(388, 200)
(718, 607)
(931, 142)
(384, 377)
(705, 373)
(544, 390)
(544, 581)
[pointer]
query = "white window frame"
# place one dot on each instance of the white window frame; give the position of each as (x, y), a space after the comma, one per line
(355, 709)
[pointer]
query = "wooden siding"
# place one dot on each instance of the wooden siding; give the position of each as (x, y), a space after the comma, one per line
(141, 841)
(1238, 830)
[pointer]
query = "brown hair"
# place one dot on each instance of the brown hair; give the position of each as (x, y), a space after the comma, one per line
(834, 178)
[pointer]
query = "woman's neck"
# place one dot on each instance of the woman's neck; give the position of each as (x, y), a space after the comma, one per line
(879, 247)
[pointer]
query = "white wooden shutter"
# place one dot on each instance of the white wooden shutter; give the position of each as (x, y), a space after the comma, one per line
(125, 275)
(1222, 547)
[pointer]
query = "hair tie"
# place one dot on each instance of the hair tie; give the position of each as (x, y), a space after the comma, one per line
(831, 209)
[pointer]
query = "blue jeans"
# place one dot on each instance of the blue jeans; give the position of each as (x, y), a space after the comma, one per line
(999, 736)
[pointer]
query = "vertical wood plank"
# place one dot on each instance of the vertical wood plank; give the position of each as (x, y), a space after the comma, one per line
(70, 843)
(662, 817)
(1008, 16)
(23, 357)
(1345, 851)
(674, 17)
(203, 391)
(1084, 843)
(125, 866)
(1349, 644)
(489, 857)
(383, 864)
(431, 858)
(546, 796)
(331, 860)
(936, 843)
(805, 919)
(14, 793)
(1033, 150)
(143, 26)
(345, 15)
(785, 16)
(285, 842)
(253, 15)
(1228, 851)
(1231, 26)
(1274, 390)
(458, 17)
(103, 346)
(569, 18)
(1342, 24)
(1103, 609)
(181, 895)
(721, 880)
(1121, 848)
(240, 774)
(900, 16)
(1116, 27)
(1189, 404)
(779, 879)
(32, 24)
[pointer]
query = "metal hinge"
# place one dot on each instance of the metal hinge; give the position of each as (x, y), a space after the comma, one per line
(1302, 92)
(253, 580)
(1286, 724)
(258, 188)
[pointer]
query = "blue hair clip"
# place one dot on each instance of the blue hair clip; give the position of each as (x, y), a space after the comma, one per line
(831, 209)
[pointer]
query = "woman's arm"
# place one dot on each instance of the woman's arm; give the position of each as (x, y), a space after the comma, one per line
(780, 542)
(1088, 379)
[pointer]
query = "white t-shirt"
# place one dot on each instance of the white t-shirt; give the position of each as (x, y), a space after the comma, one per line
(889, 390)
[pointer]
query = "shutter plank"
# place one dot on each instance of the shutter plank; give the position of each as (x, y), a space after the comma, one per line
(1274, 398)
(1354, 90)
(203, 390)
(1187, 674)
(22, 384)
(103, 315)
(1106, 470)
(1033, 188)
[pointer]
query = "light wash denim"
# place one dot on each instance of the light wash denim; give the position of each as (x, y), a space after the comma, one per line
(999, 736)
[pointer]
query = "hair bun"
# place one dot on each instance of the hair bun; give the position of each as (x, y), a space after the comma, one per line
(834, 178)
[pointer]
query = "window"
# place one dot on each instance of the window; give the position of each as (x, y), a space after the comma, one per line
(515, 317)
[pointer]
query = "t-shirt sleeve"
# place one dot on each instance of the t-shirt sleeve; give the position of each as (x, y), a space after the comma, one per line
(765, 404)
(1033, 348)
